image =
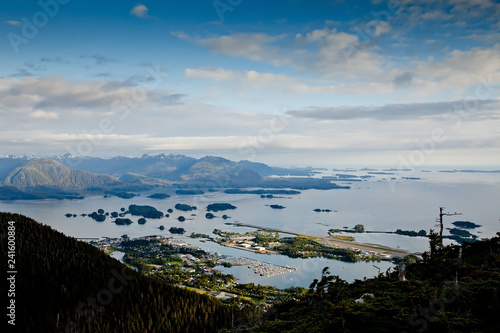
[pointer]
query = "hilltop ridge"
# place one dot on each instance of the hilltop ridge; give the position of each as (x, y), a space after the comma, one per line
(72, 177)
(65, 285)
(47, 172)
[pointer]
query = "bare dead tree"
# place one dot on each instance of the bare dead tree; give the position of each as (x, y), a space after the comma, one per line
(440, 220)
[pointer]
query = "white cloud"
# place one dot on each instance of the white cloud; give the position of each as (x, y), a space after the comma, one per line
(316, 35)
(455, 73)
(327, 52)
(458, 71)
(54, 93)
(180, 34)
(216, 74)
(140, 11)
(436, 15)
(39, 114)
(13, 22)
(486, 110)
(462, 12)
(467, 4)
(254, 46)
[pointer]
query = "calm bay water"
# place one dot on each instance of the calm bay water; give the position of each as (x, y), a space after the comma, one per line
(379, 204)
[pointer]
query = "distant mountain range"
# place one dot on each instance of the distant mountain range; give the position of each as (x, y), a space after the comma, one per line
(68, 176)
(45, 172)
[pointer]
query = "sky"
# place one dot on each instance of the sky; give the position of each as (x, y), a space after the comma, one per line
(332, 82)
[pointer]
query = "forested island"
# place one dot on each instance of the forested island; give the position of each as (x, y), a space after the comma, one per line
(184, 207)
(123, 221)
(261, 191)
(457, 234)
(122, 194)
(159, 196)
(175, 230)
(189, 192)
(466, 224)
(215, 207)
(145, 211)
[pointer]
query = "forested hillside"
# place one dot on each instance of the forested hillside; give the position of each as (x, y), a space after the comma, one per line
(63, 285)
(450, 290)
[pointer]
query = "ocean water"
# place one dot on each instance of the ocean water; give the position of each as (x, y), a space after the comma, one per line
(380, 204)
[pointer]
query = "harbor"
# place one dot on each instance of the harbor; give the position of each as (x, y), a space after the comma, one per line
(263, 268)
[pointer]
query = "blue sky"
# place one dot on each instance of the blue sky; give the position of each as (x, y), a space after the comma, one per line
(283, 82)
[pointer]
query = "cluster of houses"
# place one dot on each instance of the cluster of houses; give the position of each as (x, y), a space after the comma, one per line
(247, 242)
(188, 258)
(248, 245)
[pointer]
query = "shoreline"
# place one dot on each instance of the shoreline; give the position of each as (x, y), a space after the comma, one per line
(247, 249)
(327, 241)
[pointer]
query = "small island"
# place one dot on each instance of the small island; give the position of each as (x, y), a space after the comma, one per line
(142, 221)
(276, 206)
(97, 217)
(184, 207)
(123, 195)
(465, 224)
(159, 196)
(260, 191)
(175, 230)
(359, 228)
(123, 221)
(215, 207)
(189, 192)
(322, 210)
(411, 233)
(461, 236)
(145, 211)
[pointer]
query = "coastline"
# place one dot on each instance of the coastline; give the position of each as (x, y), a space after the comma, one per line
(332, 242)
